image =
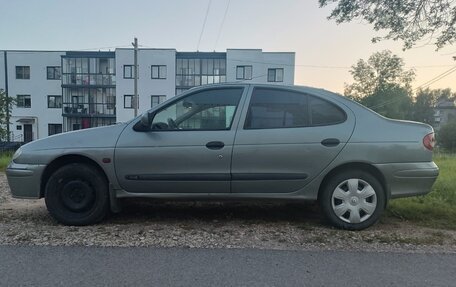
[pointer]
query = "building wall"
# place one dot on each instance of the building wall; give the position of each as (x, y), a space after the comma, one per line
(443, 116)
(2, 70)
(146, 85)
(38, 87)
(260, 62)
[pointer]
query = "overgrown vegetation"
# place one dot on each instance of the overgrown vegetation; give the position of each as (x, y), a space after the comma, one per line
(5, 159)
(446, 137)
(436, 209)
(430, 21)
(6, 105)
(384, 84)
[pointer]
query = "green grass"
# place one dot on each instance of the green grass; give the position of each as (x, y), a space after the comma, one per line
(5, 159)
(436, 209)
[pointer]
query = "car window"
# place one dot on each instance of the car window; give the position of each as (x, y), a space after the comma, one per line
(275, 108)
(324, 112)
(207, 110)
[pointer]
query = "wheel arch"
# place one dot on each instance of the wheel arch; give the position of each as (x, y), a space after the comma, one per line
(367, 167)
(60, 161)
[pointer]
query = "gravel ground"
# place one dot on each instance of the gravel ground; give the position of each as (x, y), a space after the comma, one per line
(213, 225)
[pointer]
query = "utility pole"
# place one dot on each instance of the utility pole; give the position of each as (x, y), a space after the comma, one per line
(8, 136)
(135, 97)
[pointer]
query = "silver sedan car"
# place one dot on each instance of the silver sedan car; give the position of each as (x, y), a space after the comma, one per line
(234, 141)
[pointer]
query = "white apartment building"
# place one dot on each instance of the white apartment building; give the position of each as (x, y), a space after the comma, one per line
(58, 91)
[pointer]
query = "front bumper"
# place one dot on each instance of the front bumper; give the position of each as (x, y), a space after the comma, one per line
(25, 179)
(409, 179)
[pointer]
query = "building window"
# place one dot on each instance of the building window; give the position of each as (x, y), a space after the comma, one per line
(19, 127)
(159, 72)
(24, 101)
(191, 72)
(129, 71)
(156, 100)
(129, 102)
(54, 129)
(275, 75)
(111, 102)
(54, 73)
(54, 102)
(23, 72)
(243, 72)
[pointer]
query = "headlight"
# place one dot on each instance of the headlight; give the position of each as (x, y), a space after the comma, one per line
(17, 153)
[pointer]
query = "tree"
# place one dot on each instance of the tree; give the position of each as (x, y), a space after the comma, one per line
(446, 136)
(6, 105)
(425, 101)
(382, 84)
(406, 20)
(381, 70)
(423, 107)
(391, 100)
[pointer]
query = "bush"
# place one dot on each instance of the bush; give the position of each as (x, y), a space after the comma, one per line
(447, 137)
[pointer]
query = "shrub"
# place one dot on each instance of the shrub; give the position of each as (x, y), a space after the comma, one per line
(447, 136)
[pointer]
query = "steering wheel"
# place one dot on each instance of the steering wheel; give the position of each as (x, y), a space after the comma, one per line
(172, 124)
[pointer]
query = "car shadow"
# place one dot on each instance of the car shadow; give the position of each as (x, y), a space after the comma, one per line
(137, 210)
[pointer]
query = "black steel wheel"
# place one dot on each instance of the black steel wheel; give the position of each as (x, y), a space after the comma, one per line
(77, 194)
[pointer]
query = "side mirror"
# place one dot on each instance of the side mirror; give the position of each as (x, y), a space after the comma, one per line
(144, 123)
(146, 119)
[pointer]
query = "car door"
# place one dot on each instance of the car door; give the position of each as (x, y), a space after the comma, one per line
(188, 147)
(285, 138)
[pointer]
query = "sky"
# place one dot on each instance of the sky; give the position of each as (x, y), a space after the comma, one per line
(324, 50)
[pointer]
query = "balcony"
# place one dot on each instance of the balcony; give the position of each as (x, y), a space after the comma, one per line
(80, 79)
(85, 110)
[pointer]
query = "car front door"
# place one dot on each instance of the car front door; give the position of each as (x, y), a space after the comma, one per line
(187, 148)
(285, 138)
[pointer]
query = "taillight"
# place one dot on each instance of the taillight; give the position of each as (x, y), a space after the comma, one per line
(429, 141)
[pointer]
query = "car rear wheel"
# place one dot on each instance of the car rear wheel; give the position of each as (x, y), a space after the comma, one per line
(77, 194)
(353, 200)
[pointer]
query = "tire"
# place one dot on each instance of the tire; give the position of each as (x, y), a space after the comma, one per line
(77, 194)
(352, 200)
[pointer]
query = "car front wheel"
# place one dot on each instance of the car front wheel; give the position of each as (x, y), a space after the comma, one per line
(77, 194)
(353, 200)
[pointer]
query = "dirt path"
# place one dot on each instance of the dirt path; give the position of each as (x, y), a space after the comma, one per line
(213, 225)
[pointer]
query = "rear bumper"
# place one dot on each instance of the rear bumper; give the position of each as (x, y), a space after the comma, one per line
(24, 179)
(409, 179)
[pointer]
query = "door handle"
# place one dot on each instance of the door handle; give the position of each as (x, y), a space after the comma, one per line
(215, 145)
(330, 142)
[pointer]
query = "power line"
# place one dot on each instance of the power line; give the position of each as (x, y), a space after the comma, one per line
(204, 24)
(325, 66)
(221, 25)
(437, 78)
(426, 84)
(101, 48)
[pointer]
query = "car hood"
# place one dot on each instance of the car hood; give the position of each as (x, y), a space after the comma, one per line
(101, 137)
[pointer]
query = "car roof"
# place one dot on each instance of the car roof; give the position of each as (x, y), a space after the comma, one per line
(306, 89)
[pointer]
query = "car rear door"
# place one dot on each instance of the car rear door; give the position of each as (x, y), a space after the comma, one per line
(285, 138)
(188, 149)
